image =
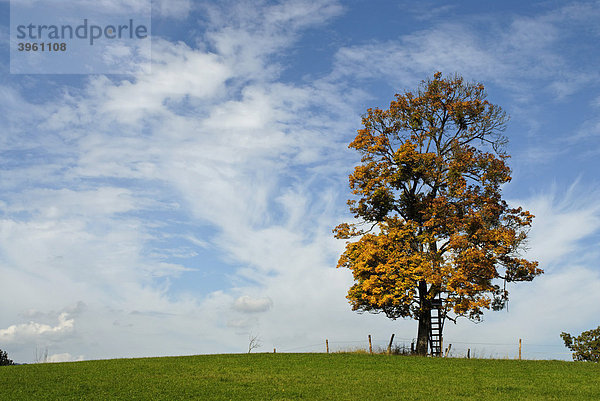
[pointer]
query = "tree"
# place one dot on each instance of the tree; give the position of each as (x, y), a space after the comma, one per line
(253, 342)
(432, 222)
(585, 347)
(4, 361)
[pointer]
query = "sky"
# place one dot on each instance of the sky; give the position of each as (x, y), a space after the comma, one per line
(184, 210)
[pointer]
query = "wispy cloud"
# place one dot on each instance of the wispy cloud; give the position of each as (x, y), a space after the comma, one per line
(201, 138)
(513, 55)
(566, 220)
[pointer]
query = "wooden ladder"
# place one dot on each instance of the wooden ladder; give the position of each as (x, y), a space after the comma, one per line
(436, 326)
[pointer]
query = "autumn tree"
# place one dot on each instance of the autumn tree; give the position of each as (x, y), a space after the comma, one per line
(431, 222)
(586, 346)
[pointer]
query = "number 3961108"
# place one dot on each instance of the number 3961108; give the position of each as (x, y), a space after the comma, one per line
(43, 47)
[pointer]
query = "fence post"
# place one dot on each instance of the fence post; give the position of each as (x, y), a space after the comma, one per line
(274, 351)
(469, 353)
(327, 345)
(519, 349)
(447, 350)
(390, 345)
(370, 345)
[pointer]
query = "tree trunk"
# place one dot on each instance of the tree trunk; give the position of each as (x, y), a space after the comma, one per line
(424, 320)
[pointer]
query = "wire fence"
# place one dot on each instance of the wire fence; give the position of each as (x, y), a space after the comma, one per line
(451, 348)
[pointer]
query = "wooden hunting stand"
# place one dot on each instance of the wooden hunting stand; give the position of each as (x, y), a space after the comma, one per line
(436, 326)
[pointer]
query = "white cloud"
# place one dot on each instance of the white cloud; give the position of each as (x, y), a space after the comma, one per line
(248, 35)
(177, 9)
(247, 304)
(178, 73)
(33, 330)
(64, 357)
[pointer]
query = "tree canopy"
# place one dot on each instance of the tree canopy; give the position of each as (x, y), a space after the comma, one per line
(4, 360)
(586, 346)
(431, 218)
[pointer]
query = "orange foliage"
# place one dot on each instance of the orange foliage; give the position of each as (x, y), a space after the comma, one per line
(429, 188)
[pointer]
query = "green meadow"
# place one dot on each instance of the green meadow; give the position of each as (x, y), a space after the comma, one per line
(302, 377)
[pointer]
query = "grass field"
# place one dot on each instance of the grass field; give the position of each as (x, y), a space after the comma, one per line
(302, 376)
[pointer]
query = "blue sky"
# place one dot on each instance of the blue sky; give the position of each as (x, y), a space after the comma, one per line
(176, 212)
